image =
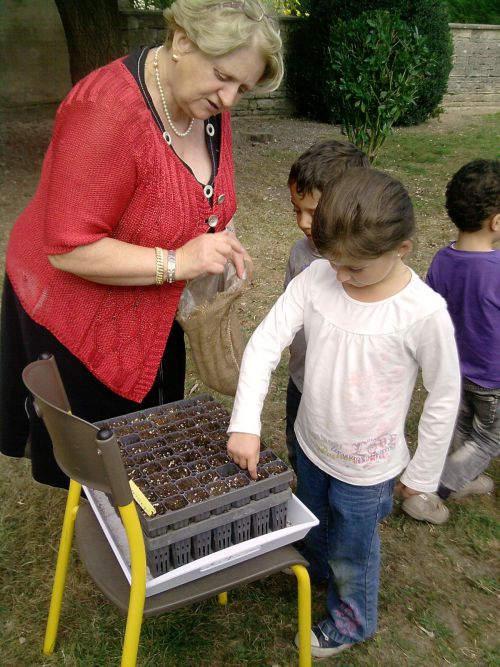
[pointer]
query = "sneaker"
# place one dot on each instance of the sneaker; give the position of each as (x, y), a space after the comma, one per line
(321, 644)
(479, 486)
(426, 507)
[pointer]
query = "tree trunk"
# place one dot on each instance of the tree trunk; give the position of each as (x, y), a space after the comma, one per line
(92, 29)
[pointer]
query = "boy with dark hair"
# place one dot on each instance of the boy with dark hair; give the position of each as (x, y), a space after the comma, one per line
(324, 161)
(467, 275)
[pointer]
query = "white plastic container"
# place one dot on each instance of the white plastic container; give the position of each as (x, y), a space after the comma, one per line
(299, 521)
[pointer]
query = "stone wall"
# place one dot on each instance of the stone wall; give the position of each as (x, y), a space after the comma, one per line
(35, 67)
(475, 77)
(474, 80)
(34, 61)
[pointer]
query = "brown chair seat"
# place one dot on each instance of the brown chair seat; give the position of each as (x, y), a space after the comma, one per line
(103, 567)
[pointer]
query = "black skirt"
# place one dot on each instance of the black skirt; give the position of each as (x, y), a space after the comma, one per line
(22, 433)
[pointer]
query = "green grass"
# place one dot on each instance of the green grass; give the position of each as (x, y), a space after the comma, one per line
(439, 585)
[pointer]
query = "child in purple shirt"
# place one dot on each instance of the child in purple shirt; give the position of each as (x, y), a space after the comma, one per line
(467, 275)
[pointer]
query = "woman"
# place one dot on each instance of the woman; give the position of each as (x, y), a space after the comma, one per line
(138, 174)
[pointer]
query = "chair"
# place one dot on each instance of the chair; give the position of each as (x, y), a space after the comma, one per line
(91, 456)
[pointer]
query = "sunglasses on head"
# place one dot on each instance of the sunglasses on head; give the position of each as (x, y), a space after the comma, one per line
(251, 8)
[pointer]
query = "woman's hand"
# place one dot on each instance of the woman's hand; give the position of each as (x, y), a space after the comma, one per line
(244, 449)
(113, 262)
(209, 253)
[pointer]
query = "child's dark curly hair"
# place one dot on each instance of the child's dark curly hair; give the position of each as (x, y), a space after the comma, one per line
(473, 194)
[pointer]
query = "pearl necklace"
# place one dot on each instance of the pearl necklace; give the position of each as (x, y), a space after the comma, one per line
(164, 102)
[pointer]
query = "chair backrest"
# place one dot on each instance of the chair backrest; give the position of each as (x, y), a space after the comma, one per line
(87, 454)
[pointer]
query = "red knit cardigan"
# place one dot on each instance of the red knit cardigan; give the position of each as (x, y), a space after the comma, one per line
(109, 172)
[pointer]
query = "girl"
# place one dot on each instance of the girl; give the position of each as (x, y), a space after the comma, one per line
(370, 324)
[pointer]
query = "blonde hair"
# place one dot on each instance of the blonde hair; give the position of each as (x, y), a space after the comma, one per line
(220, 28)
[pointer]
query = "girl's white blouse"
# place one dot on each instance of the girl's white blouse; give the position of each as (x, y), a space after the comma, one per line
(362, 362)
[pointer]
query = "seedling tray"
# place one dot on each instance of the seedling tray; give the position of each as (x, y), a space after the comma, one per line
(176, 455)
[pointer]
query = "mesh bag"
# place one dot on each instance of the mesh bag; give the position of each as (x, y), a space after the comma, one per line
(207, 313)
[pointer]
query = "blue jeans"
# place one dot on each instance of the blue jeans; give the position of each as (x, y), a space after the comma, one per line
(476, 441)
(345, 547)
(293, 396)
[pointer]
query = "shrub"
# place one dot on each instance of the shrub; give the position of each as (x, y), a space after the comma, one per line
(150, 4)
(378, 64)
(430, 17)
(474, 11)
(308, 54)
(284, 7)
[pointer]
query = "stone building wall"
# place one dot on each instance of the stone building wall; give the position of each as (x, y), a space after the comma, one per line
(474, 80)
(475, 77)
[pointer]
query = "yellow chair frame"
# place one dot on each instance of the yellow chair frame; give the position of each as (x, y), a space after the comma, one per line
(91, 456)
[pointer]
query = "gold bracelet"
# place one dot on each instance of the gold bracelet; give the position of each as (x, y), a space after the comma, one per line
(160, 269)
